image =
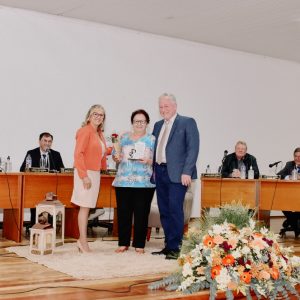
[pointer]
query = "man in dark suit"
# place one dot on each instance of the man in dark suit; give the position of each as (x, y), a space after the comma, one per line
(293, 218)
(175, 157)
(51, 159)
(234, 162)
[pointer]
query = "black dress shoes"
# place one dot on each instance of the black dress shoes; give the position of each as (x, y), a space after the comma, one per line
(161, 252)
(172, 254)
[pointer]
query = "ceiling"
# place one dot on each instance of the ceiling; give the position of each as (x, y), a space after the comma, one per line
(264, 27)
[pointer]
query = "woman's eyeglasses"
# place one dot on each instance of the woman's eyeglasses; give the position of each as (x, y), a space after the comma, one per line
(142, 122)
(96, 115)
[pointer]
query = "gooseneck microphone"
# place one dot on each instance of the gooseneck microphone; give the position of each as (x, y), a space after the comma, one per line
(274, 164)
(225, 154)
(223, 159)
(51, 160)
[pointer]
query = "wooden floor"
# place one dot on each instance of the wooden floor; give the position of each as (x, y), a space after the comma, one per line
(22, 279)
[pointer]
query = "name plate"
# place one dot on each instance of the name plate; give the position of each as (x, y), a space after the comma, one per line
(39, 170)
(112, 172)
(67, 170)
(270, 177)
(214, 175)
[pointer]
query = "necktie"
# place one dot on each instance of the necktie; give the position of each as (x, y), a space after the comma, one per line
(298, 169)
(44, 160)
(160, 147)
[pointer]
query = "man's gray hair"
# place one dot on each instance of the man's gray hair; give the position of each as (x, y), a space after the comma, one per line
(171, 96)
(241, 143)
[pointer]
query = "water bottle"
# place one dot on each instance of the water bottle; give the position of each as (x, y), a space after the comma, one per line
(8, 164)
(294, 174)
(243, 172)
(28, 163)
(251, 173)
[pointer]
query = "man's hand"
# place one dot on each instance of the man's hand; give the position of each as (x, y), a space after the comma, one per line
(186, 179)
(87, 183)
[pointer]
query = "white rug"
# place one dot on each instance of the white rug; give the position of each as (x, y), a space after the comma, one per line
(103, 262)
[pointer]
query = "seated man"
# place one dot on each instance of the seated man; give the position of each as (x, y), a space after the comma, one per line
(292, 218)
(238, 160)
(45, 154)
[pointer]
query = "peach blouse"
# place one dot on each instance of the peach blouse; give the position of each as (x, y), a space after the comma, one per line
(88, 153)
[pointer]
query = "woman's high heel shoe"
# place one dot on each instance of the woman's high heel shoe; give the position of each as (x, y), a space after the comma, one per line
(81, 249)
(121, 249)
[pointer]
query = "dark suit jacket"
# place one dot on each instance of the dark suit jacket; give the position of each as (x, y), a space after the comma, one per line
(287, 170)
(182, 147)
(54, 158)
(231, 162)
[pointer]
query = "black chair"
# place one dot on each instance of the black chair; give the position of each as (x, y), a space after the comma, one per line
(93, 220)
(292, 223)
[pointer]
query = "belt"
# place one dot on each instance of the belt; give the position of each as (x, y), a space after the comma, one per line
(162, 164)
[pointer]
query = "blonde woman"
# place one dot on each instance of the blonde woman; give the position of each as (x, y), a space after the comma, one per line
(89, 158)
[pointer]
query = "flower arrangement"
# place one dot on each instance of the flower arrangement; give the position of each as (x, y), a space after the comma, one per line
(114, 138)
(235, 258)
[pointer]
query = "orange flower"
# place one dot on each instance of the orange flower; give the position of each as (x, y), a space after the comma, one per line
(208, 241)
(200, 270)
(258, 234)
(263, 275)
(246, 277)
(188, 259)
(228, 260)
(258, 243)
(218, 239)
(215, 271)
(275, 273)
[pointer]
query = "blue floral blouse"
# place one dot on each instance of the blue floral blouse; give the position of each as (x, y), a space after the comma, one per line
(133, 173)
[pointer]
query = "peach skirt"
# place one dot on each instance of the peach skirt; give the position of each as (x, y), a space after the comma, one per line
(83, 197)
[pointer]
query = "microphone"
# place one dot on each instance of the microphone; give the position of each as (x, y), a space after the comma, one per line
(274, 164)
(51, 160)
(225, 154)
(223, 159)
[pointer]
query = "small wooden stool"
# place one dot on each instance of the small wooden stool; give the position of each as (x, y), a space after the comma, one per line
(42, 241)
(57, 210)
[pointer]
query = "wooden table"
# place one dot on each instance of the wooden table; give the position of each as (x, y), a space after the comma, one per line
(280, 194)
(11, 202)
(216, 192)
(26, 190)
(263, 194)
(36, 185)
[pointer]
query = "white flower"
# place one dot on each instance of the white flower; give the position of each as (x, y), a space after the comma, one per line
(223, 279)
(252, 224)
(245, 250)
(217, 229)
(186, 283)
(236, 254)
(264, 230)
(283, 263)
(187, 270)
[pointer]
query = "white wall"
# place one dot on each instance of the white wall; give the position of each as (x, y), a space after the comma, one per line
(53, 68)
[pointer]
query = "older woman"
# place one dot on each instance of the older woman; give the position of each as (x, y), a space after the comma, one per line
(134, 191)
(89, 159)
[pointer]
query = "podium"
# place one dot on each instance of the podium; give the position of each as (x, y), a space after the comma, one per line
(263, 194)
(216, 192)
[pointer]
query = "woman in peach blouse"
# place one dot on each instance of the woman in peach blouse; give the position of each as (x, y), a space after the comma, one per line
(89, 159)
